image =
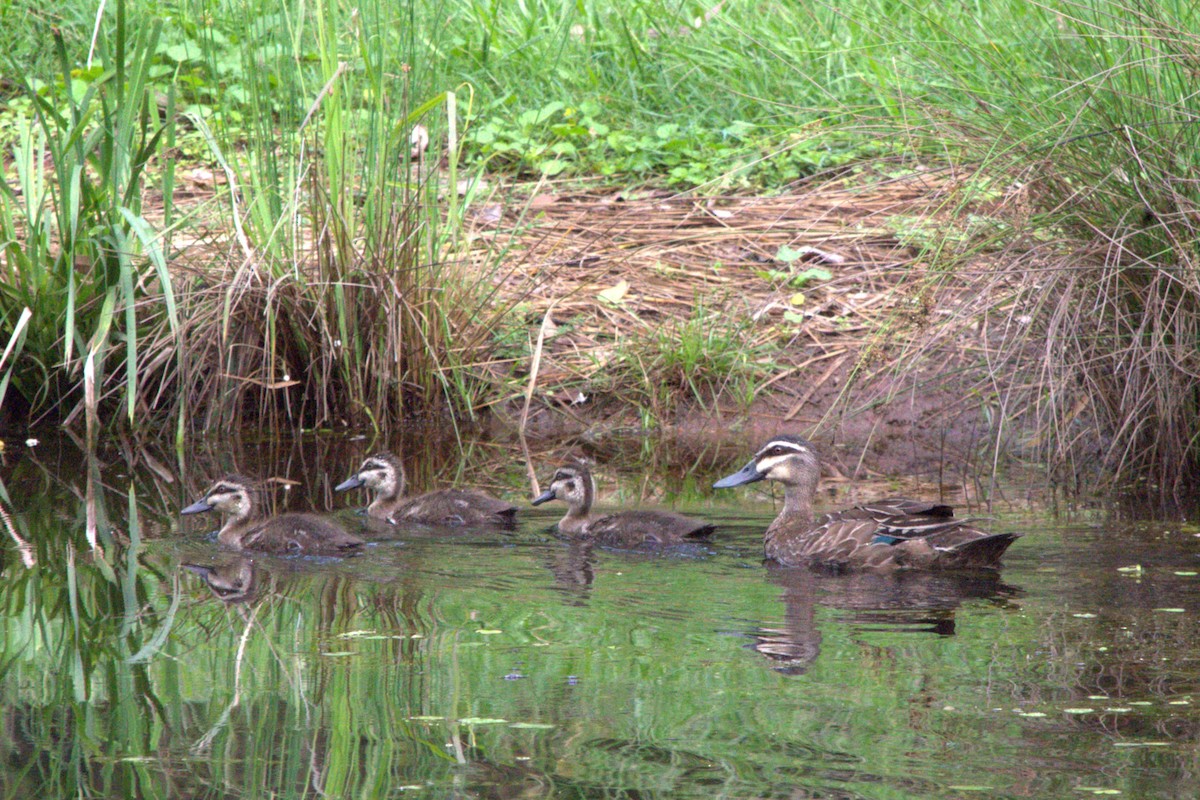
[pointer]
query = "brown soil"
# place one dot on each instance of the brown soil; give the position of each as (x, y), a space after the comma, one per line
(835, 379)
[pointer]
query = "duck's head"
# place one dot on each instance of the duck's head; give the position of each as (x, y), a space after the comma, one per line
(382, 473)
(572, 483)
(790, 460)
(232, 495)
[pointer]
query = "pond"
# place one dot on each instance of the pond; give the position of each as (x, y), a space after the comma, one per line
(512, 664)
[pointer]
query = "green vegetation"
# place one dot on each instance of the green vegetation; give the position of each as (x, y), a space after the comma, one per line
(330, 280)
(700, 360)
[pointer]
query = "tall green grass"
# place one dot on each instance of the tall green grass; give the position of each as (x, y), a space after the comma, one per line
(80, 259)
(346, 296)
(1085, 129)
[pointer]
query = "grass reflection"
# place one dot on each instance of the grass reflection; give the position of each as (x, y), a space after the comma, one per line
(496, 665)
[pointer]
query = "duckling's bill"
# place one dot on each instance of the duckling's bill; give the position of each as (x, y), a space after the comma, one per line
(353, 482)
(544, 497)
(198, 507)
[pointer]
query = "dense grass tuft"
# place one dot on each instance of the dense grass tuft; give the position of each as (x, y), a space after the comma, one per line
(1096, 301)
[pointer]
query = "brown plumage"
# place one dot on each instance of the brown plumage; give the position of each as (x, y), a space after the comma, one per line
(287, 534)
(891, 534)
(383, 474)
(573, 484)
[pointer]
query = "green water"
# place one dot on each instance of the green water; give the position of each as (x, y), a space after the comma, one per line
(486, 664)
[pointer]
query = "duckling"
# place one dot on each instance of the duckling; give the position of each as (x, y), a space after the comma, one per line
(383, 473)
(897, 533)
(573, 484)
(286, 534)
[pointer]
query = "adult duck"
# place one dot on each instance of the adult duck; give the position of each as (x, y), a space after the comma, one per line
(897, 533)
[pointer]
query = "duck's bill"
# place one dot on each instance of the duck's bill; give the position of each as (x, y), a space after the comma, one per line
(198, 507)
(747, 474)
(353, 482)
(544, 497)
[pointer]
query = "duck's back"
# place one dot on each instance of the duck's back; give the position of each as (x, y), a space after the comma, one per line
(633, 529)
(890, 534)
(455, 507)
(292, 534)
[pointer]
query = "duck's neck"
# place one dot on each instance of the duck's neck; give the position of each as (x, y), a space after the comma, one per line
(795, 520)
(235, 528)
(797, 503)
(579, 511)
(576, 521)
(231, 534)
(389, 498)
(240, 522)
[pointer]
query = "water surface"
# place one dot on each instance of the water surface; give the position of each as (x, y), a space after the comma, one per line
(492, 664)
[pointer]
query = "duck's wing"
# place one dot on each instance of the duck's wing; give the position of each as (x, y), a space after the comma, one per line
(647, 528)
(481, 507)
(855, 539)
(294, 534)
(905, 507)
(837, 541)
(900, 518)
(454, 507)
(933, 543)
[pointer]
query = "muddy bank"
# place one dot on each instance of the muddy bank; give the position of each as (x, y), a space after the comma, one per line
(610, 270)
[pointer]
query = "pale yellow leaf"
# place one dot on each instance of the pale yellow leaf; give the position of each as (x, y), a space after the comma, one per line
(615, 294)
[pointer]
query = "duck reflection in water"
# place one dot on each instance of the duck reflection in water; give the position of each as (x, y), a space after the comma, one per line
(238, 580)
(904, 602)
(574, 570)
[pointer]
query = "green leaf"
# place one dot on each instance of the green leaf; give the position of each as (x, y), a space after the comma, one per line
(815, 274)
(183, 52)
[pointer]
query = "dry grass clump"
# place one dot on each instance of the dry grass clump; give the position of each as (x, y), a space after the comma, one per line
(359, 336)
